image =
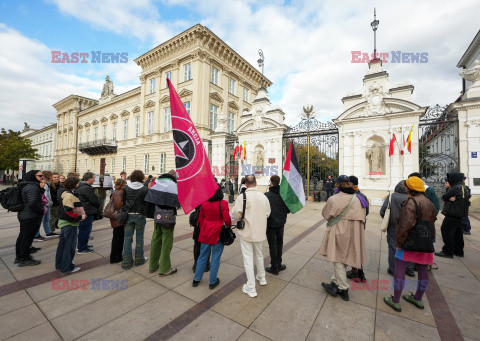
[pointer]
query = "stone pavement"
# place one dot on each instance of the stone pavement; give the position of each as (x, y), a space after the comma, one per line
(293, 306)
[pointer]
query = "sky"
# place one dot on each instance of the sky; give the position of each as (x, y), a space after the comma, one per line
(307, 46)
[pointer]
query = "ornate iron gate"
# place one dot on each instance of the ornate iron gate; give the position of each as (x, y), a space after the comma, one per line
(438, 146)
(319, 142)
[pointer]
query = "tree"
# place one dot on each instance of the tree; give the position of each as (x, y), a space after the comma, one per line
(13, 148)
(321, 165)
(427, 168)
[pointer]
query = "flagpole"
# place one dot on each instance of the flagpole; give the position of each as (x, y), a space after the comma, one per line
(403, 157)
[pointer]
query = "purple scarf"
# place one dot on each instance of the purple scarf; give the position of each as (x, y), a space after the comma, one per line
(362, 199)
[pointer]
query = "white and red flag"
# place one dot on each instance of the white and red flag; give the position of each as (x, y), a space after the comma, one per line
(194, 175)
(402, 143)
(236, 151)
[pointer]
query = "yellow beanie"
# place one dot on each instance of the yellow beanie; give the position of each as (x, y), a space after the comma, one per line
(416, 184)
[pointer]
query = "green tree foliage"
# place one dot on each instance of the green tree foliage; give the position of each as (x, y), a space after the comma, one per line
(13, 148)
(321, 165)
(426, 167)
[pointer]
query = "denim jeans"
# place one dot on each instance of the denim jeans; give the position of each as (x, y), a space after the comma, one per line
(66, 249)
(84, 230)
(46, 223)
(214, 263)
(135, 222)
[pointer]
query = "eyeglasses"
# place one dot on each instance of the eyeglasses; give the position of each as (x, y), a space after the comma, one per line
(40, 176)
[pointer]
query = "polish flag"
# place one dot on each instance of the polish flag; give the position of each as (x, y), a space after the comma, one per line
(402, 143)
(236, 151)
(194, 175)
(392, 145)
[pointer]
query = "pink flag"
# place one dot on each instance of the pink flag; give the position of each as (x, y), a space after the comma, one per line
(194, 175)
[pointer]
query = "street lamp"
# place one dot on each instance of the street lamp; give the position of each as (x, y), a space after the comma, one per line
(261, 62)
(374, 25)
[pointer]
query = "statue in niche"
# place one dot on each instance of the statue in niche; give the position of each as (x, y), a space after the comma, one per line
(107, 87)
(260, 158)
(375, 158)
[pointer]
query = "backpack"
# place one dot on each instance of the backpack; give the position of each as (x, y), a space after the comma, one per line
(11, 199)
(193, 219)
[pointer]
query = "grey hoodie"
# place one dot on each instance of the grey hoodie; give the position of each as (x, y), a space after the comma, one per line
(398, 198)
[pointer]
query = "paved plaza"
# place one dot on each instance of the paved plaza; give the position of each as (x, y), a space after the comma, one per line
(293, 305)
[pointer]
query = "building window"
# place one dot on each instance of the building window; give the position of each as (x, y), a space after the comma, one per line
(80, 138)
(124, 164)
(213, 116)
(169, 76)
(231, 86)
(137, 126)
(187, 107)
(96, 134)
(113, 165)
(152, 85)
(104, 131)
(163, 161)
(245, 94)
(150, 123)
(114, 131)
(187, 72)
(147, 162)
(214, 77)
(87, 138)
(125, 129)
(167, 119)
(71, 139)
(231, 122)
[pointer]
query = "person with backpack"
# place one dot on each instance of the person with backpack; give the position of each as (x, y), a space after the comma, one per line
(30, 217)
(455, 209)
(71, 214)
(193, 220)
(118, 228)
(163, 197)
(214, 214)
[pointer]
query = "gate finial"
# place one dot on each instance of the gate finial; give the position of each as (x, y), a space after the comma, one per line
(308, 111)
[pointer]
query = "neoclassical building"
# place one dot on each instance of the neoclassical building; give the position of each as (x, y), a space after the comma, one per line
(133, 130)
(44, 141)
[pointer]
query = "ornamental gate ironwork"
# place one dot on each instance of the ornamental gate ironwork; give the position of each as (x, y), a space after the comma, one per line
(438, 146)
(319, 141)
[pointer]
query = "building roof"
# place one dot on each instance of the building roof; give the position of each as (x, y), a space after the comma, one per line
(470, 52)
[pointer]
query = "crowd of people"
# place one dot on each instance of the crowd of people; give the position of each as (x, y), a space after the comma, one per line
(70, 205)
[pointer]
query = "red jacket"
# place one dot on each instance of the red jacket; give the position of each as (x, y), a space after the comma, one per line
(211, 221)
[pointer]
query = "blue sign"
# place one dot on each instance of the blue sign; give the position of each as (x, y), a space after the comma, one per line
(474, 155)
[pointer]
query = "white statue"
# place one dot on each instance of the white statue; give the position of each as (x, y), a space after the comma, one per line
(260, 158)
(107, 87)
(375, 158)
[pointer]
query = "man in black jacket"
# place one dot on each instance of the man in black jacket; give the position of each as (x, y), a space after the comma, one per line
(275, 225)
(329, 186)
(91, 204)
(455, 208)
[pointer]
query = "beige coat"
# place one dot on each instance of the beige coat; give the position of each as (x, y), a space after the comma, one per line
(256, 213)
(345, 241)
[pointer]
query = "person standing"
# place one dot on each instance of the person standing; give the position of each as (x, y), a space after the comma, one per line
(134, 204)
(344, 241)
(417, 207)
(69, 219)
(329, 186)
(454, 210)
(149, 180)
(164, 195)
(91, 204)
(257, 210)
(118, 228)
(54, 185)
(214, 213)
(275, 226)
(30, 217)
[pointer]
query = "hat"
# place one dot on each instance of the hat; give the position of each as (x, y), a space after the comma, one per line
(354, 180)
(343, 178)
(415, 184)
(173, 172)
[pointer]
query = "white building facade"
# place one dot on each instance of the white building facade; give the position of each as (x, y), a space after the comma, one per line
(44, 141)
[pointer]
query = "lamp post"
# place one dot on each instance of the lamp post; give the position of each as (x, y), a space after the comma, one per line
(308, 114)
(261, 61)
(374, 25)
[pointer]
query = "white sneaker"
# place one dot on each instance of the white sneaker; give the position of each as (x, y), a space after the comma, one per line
(251, 293)
(77, 268)
(263, 281)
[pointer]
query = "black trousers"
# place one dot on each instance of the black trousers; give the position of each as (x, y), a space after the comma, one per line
(329, 193)
(275, 244)
(452, 236)
(28, 230)
(117, 244)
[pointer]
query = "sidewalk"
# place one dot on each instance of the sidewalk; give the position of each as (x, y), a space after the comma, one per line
(293, 306)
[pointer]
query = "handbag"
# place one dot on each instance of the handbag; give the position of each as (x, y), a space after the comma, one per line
(386, 216)
(109, 211)
(227, 236)
(457, 208)
(122, 215)
(419, 238)
(165, 217)
(241, 222)
(335, 220)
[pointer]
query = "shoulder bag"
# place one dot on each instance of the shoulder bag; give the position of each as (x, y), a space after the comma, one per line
(386, 216)
(419, 238)
(227, 236)
(241, 222)
(165, 217)
(335, 220)
(122, 215)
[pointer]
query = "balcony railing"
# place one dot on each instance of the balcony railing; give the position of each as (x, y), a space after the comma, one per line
(97, 147)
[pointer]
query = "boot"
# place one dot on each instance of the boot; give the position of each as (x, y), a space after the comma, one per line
(343, 294)
(331, 288)
(272, 269)
(361, 275)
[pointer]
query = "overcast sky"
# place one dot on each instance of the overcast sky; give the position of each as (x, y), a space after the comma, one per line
(307, 46)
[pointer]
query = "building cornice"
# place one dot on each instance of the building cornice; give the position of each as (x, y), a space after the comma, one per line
(469, 53)
(116, 99)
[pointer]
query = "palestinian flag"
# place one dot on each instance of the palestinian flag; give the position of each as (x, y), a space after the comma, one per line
(291, 187)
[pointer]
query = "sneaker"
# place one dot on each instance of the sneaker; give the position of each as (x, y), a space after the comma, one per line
(52, 235)
(272, 270)
(331, 288)
(389, 301)
(263, 281)
(29, 262)
(76, 269)
(343, 294)
(171, 272)
(214, 285)
(39, 239)
(84, 252)
(282, 267)
(195, 283)
(249, 292)
(411, 299)
(443, 254)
